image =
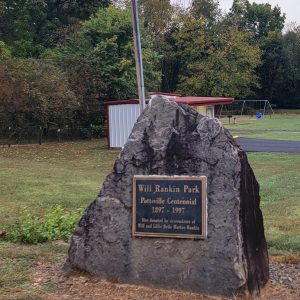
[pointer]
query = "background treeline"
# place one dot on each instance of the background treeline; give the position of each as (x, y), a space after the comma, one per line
(60, 59)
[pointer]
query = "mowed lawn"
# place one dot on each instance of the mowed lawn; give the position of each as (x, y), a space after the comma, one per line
(71, 174)
(281, 126)
(37, 177)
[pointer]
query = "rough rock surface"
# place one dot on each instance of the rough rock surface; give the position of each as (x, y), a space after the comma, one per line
(173, 139)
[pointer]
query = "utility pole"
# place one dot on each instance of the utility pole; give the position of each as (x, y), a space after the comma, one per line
(138, 54)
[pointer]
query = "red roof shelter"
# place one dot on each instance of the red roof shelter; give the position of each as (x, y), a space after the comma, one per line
(122, 114)
(191, 100)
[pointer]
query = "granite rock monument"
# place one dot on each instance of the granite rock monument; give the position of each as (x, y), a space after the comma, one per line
(173, 139)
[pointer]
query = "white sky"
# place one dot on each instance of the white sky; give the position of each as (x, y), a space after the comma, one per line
(291, 8)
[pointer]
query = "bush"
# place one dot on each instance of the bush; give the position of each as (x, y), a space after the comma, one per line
(93, 131)
(57, 224)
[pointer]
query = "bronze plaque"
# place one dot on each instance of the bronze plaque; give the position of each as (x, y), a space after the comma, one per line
(169, 206)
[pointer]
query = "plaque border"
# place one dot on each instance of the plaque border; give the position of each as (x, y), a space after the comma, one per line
(203, 180)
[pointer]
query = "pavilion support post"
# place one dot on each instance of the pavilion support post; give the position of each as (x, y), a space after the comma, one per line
(243, 108)
(221, 109)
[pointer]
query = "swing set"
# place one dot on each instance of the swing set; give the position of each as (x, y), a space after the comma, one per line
(246, 108)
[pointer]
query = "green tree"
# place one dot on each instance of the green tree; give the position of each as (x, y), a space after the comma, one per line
(35, 92)
(105, 47)
(263, 19)
(266, 24)
(157, 16)
(217, 65)
(171, 60)
(258, 18)
(287, 91)
(31, 26)
(208, 16)
(269, 70)
(238, 15)
(4, 51)
(207, 9)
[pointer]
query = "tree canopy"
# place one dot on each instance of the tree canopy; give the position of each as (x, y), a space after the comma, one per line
(34, 92)
(31, 26)
(216, 65)
(105, 46)
(57, 57)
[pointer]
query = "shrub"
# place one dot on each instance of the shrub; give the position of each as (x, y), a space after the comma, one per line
(57, 224)
(93, 131)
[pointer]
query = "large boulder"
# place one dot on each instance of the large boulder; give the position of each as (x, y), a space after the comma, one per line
(173, 139)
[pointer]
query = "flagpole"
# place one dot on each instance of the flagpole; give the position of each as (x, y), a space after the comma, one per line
(138, 54)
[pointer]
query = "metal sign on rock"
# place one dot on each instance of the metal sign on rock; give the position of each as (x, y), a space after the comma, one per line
(169, 206)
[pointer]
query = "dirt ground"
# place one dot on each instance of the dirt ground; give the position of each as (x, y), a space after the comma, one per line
(48, 282)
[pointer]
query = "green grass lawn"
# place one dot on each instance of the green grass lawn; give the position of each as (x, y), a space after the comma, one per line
(266, 128)
(70, 174)
(37, 177)
(279, 179)
(291, 136)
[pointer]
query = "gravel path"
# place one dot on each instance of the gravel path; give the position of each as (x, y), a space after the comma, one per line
(284, 284)
(48, 283)
(285, 281)
(284, 273)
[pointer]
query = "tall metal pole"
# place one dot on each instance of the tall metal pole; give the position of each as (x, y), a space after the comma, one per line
(138, 53)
